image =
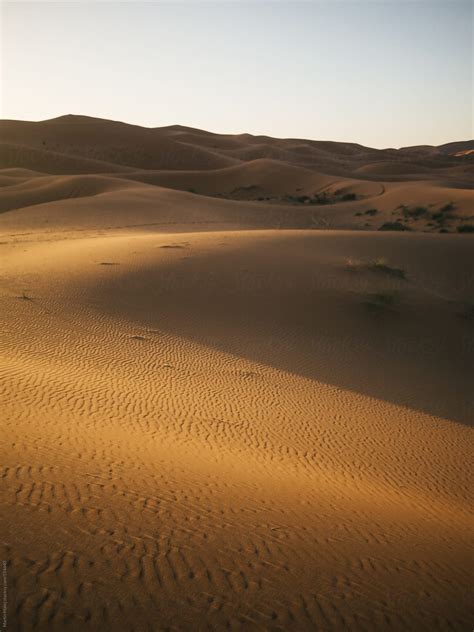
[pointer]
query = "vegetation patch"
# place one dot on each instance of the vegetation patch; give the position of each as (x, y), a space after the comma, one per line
(394, 226)
(443, 213)
(321, 198)
(379, 265)
(447, 208)
(465, 228)
(415, 212)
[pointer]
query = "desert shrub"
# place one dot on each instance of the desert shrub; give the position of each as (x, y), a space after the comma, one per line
(416, 212)
(371, 211)
(358, 214)
(443, 230)
(348, 197)
(440, 215)
(376, 265)
(466, 228)
(447, 207)
(191, 190)
(393, 226)
(320, 198)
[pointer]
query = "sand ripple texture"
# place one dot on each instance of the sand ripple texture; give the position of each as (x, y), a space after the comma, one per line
(232, 431)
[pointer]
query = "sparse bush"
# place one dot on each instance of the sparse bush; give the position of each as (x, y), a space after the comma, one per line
(371, 211)
(393, 226)
(465, 228)
(191, 190)
(348, 197)
(376, 265)
(416, 212)
(447, 207)
(440, 215)
(320, 198)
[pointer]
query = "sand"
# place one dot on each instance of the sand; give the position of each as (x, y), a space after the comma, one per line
(225, 413)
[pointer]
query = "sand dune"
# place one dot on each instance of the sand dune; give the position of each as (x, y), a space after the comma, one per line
(50, 188)
(336, 180)
(225, 412)
(210, 459)
(30, 158)
(110, 141)
(255, 178)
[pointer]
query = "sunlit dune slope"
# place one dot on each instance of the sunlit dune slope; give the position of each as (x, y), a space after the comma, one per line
(232, 397)
(258, 429)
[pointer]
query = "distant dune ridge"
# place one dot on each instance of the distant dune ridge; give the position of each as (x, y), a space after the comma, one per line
(336, 182)
(230, 401)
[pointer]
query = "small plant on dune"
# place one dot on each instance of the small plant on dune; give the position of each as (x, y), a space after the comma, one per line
(320, 198)
(447, 208)
(415, 212)
(302, 198)
(381, 265)
(393, 226)
(191, 190)
(371, 211)
(440, 215)
(348, 197)
(376, 265)
(24, 296)
(465, 228)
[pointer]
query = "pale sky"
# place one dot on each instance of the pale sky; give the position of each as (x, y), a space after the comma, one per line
(381, 73)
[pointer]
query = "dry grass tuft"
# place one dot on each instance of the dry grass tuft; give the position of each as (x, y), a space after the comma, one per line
(376, 265)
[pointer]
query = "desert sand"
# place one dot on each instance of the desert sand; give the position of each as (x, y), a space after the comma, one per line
(230, 401)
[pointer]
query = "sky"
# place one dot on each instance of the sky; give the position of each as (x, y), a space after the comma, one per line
(384, 73)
